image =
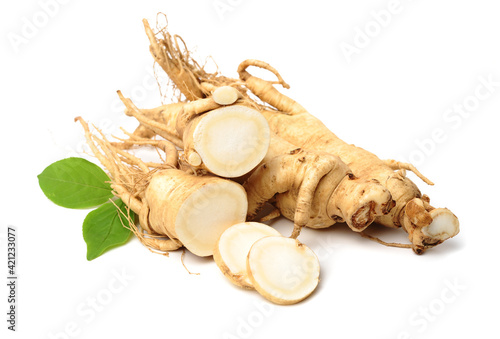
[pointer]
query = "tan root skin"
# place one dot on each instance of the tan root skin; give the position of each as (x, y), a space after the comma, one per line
(314, 189)
(232, 249)
(283, 270)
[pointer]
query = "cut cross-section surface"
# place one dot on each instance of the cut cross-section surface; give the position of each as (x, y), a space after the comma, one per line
(208, 212)
(283, 270)
(233, 246)
(232, 140)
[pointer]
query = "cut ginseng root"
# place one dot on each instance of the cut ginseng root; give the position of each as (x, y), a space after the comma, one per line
(232, 249)
(444, 225)
(282, 269)
(231, 140)
(196, 209)
(226, 95)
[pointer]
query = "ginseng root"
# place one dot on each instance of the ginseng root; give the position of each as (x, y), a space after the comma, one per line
(187, 210)
(292, 122)
(228, 141)
(314, 189)
(288, 120)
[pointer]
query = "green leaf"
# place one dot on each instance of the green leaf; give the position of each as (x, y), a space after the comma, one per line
(103, 228)
(75, 183)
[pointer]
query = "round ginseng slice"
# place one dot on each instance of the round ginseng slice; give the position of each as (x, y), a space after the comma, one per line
(283, 270)
(231, 250)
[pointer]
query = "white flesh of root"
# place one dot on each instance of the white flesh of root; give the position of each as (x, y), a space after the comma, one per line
(207, 213)
(232, 140)
(225, 95)
(232, 249)
(194, 159)
(282, 269)
(444, 225)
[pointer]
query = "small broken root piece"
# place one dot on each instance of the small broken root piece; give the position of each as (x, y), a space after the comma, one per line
(444, 225)
(283, 270)
(231, 251)
(428, 226)
(194, 159)
(226, 95)
(231, 141)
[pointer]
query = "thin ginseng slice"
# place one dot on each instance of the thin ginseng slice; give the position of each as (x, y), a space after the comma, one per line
(233, 246)
(283, 270)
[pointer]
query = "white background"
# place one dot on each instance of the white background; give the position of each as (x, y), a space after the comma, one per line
(426, 58)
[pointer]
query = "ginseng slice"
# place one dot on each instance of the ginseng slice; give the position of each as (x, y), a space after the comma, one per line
(282, 269)
(232, 140)
(231, 250)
